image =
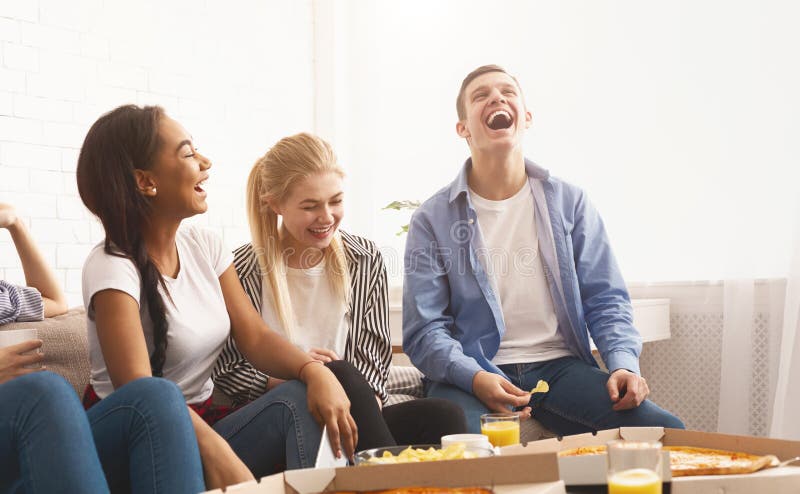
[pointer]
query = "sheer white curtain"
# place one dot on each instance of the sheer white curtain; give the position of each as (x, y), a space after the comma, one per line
(750, 354)
(786, 409)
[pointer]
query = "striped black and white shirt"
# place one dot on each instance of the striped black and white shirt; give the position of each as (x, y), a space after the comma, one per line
(20, 303)
(368, 346)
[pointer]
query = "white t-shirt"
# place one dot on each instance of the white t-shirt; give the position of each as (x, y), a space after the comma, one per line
(198, 322)
(320, 314)
(514, 267)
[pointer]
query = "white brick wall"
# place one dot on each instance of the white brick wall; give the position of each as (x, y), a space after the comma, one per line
(237, 78)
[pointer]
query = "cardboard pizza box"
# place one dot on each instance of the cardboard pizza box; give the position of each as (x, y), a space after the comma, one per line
(591, 470)
(518, 474)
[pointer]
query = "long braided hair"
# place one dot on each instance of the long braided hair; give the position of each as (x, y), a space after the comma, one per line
(119, 142)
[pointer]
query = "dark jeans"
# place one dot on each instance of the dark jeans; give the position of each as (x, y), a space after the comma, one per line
(576, 403)
(422, 421)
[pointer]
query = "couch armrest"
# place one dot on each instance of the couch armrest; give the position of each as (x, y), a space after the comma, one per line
(65, 346)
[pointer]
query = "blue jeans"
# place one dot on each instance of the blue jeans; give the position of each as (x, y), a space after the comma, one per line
(145, 439)
(577, 402)
(45, 441)
(274, 432)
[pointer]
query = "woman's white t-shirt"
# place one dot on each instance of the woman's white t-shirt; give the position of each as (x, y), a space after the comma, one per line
(197, 318)
(320, 315)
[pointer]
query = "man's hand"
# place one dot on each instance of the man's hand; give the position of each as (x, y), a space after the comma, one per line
(323, 355)
(8, 216)
(497, 393)
(13, 362)
(626, 389)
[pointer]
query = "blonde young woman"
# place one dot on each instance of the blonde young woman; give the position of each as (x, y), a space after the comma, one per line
(325, 289)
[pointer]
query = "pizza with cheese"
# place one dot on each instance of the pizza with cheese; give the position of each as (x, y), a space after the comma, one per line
(688, 460)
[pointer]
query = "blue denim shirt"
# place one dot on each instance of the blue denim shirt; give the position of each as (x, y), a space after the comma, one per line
(452, 319)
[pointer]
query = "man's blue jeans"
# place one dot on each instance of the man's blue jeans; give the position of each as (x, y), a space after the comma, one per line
(142, 432)
(577, 402)
(274, 432)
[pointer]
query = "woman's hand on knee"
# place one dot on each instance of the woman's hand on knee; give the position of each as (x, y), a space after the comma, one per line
(330, 407)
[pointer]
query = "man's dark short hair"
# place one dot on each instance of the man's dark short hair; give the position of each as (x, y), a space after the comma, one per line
(483, 69)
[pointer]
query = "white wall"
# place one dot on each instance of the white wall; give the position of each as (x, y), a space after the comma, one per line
(237, 75)
(679, 118)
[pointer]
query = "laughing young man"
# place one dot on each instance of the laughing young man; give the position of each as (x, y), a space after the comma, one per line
(508, 272)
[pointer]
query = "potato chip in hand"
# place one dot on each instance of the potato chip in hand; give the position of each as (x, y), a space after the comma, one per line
(541, 387)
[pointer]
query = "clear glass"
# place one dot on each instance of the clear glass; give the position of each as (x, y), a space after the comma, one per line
(502, 429)
(634, 467)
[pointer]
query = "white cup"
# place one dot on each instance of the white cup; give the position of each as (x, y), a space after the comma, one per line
(470, 440)
(16, 336)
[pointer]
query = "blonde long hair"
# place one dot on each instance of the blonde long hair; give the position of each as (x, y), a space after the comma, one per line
(289, 161)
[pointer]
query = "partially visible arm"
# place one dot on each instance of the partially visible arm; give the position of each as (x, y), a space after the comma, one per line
(607, 307)
(372, 352)
(37, 273)
(233, 374)
(427, 321)
(606, 304)
(20, 303)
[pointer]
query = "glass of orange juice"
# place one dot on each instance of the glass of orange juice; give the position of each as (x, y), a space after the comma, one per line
(502, 429)
(634, 467)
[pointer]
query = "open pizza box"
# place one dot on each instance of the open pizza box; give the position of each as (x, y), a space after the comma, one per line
(519, 474)
(591, 470)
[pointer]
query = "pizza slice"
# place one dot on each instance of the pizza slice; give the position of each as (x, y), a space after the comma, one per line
(687, 460)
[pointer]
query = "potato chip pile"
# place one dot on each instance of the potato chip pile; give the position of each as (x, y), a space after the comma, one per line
(456, 451)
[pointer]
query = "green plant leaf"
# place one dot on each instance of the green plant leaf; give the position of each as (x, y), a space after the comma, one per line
(399, 205)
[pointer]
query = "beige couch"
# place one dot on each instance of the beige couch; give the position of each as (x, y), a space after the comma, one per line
(66, 353)
(65, 345)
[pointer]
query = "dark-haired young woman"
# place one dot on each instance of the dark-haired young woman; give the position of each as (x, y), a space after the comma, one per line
(162, 300)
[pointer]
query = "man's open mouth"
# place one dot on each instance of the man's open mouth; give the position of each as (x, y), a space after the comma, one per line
(500, 119)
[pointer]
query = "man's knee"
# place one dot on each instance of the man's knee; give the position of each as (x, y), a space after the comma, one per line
(648, 414)
(671, 421)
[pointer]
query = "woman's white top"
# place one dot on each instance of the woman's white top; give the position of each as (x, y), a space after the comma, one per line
(197, 317)
(320, 314)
